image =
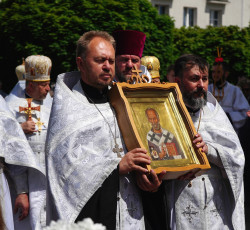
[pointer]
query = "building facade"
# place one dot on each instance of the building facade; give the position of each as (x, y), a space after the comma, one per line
(205, 12)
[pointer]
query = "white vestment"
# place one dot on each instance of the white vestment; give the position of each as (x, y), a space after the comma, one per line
(17, 156)
(80, 157)
(37, 139)
(234, 103)
(214, 200)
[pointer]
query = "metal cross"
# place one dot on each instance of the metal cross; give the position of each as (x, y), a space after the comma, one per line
(28, 110)
(117, 150)
(137, 71)
(39, 125)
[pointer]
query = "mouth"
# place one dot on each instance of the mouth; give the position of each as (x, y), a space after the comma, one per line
(105, 76)
(201, 94)
(127, 73)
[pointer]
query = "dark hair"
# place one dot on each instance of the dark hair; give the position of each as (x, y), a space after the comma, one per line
(224, 65)
(85, 39)
(171, 67)
(187, 62)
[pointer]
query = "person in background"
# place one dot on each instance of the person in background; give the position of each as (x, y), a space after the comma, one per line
(152, 64)
(170, 74)
(129, 49)
(229, 96)
(31, 104)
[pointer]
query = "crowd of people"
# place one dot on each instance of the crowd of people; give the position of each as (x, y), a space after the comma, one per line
(63, 156)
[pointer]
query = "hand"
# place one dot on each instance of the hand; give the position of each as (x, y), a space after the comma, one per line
(198, 141)
(150, 182)
(187, 176)
(22, 205)
(29, 126)
(134, 161)
(248, 113)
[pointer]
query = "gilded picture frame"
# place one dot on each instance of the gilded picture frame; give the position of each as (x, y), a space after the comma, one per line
(141, 110)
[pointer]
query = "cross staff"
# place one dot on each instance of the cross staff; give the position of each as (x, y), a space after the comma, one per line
(136, 77)
(28, 110)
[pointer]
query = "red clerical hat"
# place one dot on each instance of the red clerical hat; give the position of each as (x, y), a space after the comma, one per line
(129, 42)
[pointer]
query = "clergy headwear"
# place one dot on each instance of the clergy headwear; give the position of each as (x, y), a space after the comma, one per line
(153, 65)
(129, 42)
(37, 68)
(20, 71)
(219, 58)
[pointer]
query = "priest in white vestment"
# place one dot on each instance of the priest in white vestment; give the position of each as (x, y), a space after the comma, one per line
(214, 200)
(31, 103)
(16, 156)
(89, 171)
(229, 96)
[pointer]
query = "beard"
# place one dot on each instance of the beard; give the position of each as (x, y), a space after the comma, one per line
(220, 84)
(156, 126)
(192, 102)
(122, 77)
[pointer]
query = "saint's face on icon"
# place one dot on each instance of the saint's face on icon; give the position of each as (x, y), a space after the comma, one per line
(154, 119)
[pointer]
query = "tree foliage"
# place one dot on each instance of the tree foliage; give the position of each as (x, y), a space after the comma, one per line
(235, 44)
(52, 28)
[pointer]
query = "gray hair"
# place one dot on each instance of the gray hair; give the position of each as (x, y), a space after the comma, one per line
(156, 113)
(86, 38)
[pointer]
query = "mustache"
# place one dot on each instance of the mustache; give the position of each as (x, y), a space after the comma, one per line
(199, 91)
(106, 72)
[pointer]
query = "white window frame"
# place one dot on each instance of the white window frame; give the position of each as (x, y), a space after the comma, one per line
(213, 20)
(189, 12)
(165, 8)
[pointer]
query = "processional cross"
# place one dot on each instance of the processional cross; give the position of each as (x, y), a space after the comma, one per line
(28, 110)
(136, 78)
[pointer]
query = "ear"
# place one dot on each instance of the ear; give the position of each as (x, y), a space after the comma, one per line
(79, 63)
(177, 80)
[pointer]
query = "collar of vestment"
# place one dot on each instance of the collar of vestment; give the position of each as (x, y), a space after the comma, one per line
(93, 94)
(192, 112)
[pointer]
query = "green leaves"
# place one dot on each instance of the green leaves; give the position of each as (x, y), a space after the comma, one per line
(52, 27)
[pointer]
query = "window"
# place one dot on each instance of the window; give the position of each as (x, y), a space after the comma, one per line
(215, 18)
(162, 9)
(189, 17)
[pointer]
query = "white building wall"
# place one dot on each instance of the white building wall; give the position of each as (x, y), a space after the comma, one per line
(232, 12)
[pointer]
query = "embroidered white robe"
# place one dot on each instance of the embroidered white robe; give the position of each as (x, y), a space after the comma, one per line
(18, 156)
(36, 140)
(215, 200)
(80, 157)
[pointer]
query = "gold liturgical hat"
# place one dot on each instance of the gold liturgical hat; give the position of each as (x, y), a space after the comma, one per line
(37, 68)
(20, 71)
(152, 63)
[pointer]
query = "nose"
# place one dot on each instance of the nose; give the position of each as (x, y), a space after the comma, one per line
(129, 63)
(48, 88)
(201, 83)
(106, 65)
